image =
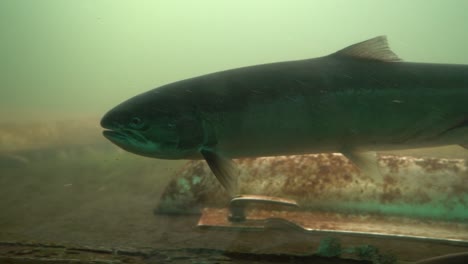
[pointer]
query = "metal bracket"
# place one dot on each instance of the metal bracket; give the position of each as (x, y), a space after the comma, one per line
(240, 216)
(238, 205)
(235, 216)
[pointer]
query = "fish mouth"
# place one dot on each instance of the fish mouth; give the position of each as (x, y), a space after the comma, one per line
(131, 141)
(119, 135)
(125, 138)
(119, 138)
(113, 135)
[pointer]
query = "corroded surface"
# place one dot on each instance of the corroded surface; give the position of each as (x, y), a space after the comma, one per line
(434, 188)
(388, 228)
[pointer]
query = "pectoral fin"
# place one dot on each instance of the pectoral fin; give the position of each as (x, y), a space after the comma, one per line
(365, 161)
(223, 168)
(465, 146)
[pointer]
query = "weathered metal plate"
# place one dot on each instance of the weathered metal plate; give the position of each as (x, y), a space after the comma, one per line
(337, 224)
(430, 188)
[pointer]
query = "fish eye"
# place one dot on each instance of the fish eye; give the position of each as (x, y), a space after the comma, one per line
(136, 123)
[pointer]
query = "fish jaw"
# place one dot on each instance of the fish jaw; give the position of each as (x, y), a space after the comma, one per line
(131, 141)
(137, 143)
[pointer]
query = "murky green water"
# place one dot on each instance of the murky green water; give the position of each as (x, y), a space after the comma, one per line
(63, 64)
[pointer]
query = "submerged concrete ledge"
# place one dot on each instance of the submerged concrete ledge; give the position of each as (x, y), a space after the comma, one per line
(433, 188)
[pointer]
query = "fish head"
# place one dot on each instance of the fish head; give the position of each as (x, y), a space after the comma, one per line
(155, 126)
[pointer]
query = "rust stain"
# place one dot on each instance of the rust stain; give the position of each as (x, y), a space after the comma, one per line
(324, 171)
(390, 195)
(389, 181)
(391, 191)
(393, 163)
(432, 165)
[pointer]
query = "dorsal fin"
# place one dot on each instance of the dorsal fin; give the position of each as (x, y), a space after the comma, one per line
(371, 49)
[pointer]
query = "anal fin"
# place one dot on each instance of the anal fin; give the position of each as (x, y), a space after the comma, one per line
(224, 169)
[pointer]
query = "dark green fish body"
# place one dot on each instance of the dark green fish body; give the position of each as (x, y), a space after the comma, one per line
(328, 104)
(358, 99)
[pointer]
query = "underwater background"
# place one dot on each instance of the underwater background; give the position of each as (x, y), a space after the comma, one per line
(63, 64)
(63, 59)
